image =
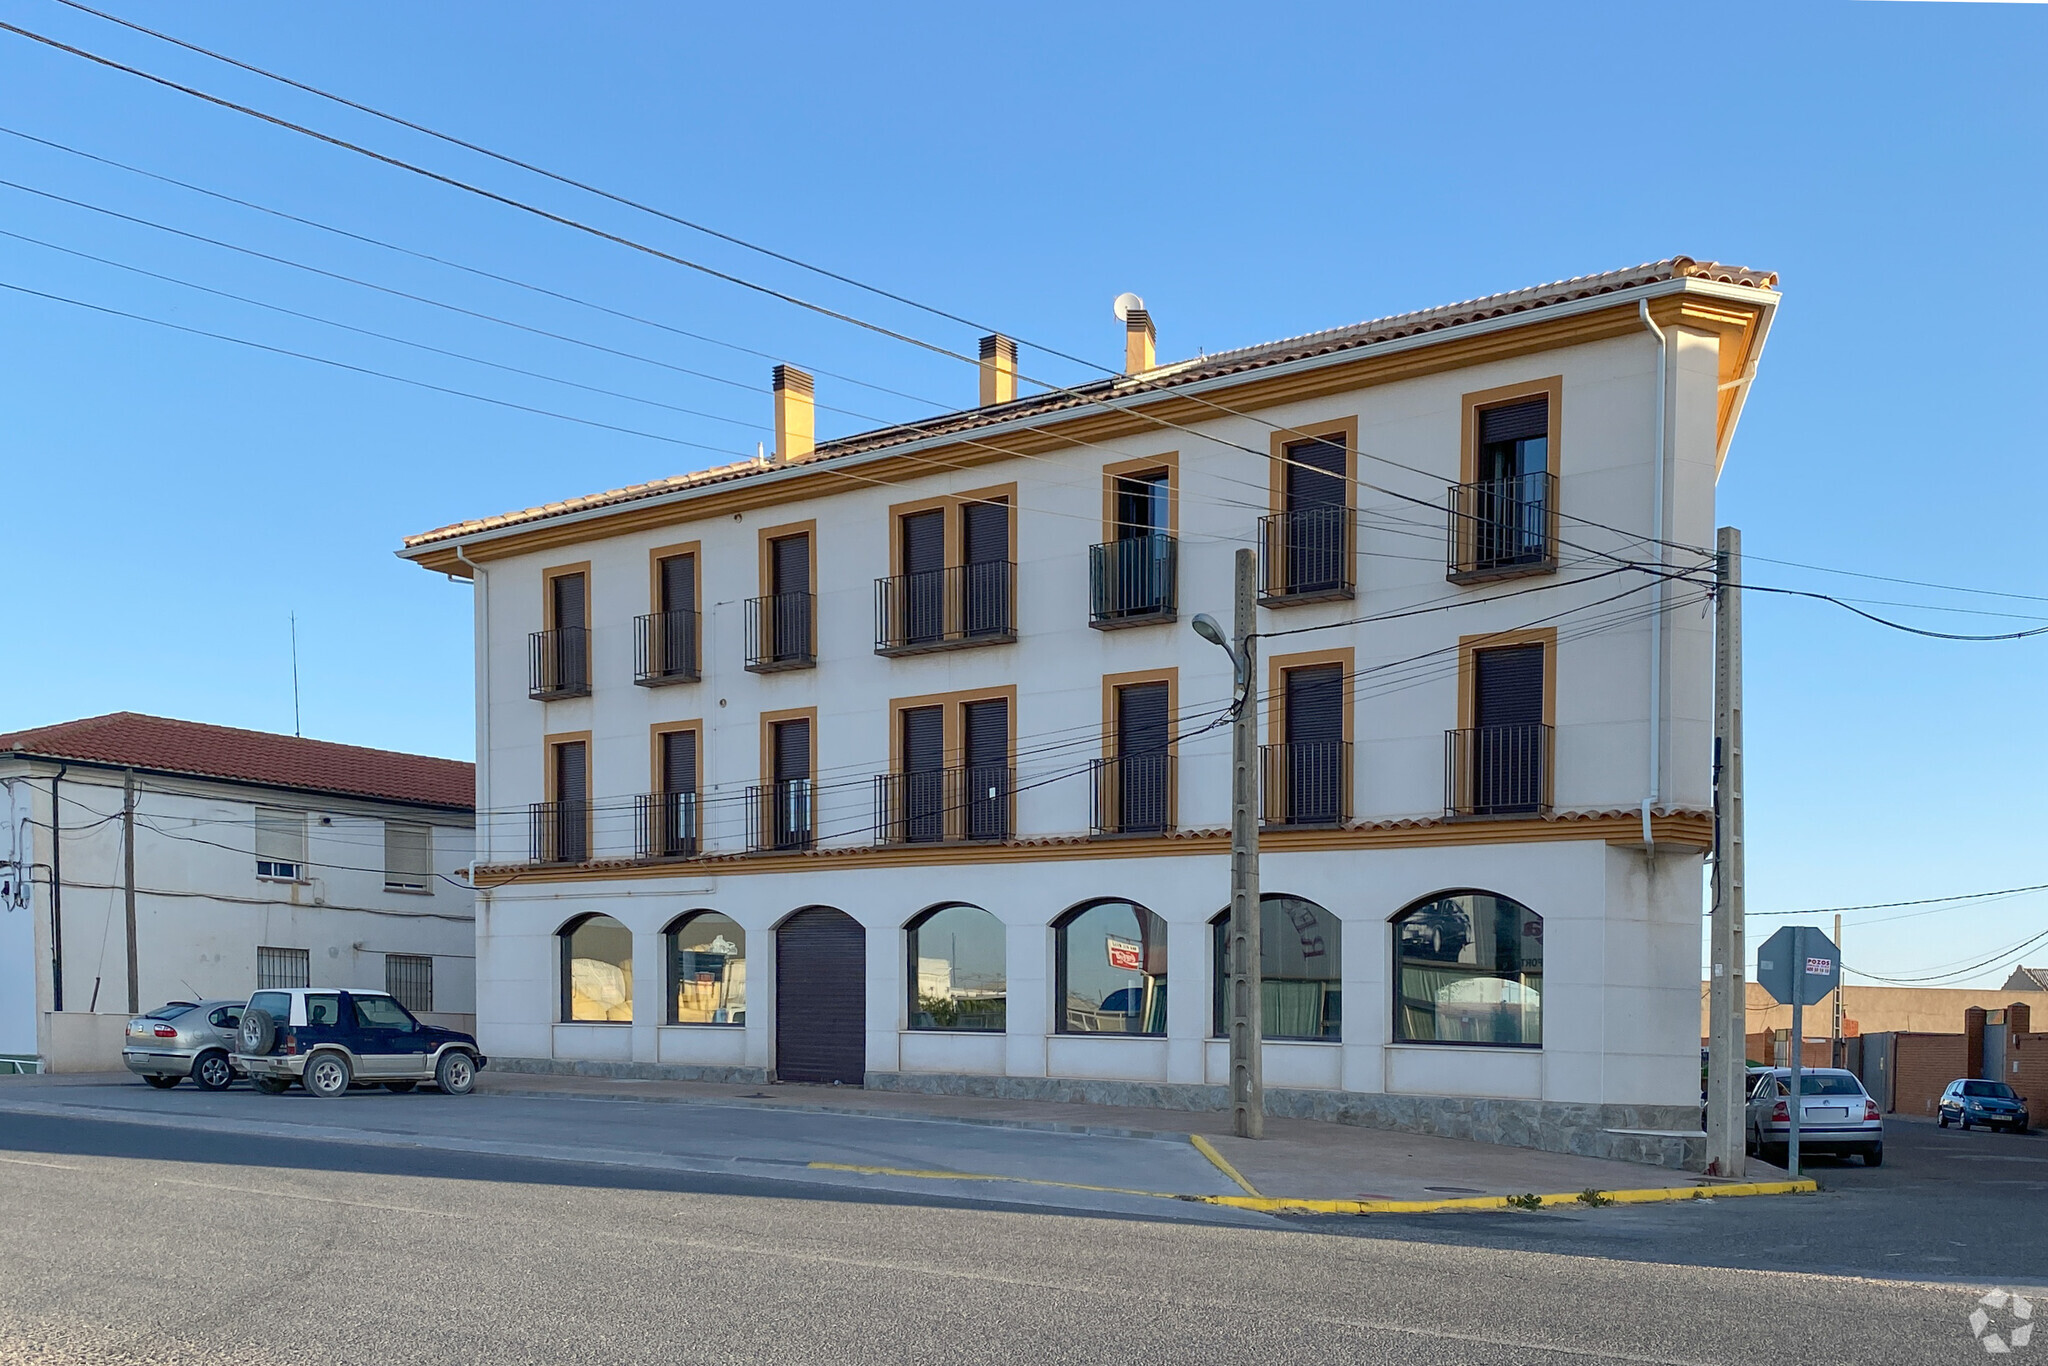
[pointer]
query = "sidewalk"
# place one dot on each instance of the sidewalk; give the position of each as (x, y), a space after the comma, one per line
(1296, 1160)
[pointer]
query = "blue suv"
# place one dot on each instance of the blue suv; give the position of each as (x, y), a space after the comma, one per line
(329, 1040)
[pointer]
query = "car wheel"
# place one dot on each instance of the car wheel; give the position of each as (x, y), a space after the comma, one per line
(213, 1071)
(271, 1086)
(1964, 1121)
(1941, 1120)
(399, 1088)
(1873, 1156)
(456, 1074)
(328, 1075)
(161, 1083)
(258, 1032)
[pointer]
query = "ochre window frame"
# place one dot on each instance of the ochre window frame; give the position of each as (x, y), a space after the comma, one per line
(1468, 679)
(549, 744)
(547, 591)
(953, 739)
(655, 733)
(1277, 668)
(1144, 464)
(1112, 685)
(951, 505)
(655, 559)
(768, 721)
(1470, 406)
(1298, 433)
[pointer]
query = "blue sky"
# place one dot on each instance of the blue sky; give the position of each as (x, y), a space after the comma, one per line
(173, 499)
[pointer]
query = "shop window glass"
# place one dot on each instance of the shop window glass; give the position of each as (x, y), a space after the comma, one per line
(956, 970)
(1299, 958)
(1470, 966)
(597, 970)
(1112, 970)
(707, 966)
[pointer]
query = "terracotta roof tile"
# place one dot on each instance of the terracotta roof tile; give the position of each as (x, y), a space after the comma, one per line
(163, 745)
(1162, 378)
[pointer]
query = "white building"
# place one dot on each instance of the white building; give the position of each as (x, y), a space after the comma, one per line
(892, 760)
(255, 860)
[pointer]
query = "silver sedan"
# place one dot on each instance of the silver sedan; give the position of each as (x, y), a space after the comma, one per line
(1836, 1115)
(193, 1039)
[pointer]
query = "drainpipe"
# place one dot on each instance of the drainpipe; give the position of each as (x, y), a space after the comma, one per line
(1657, 591)
(57, 891)
(481, 852)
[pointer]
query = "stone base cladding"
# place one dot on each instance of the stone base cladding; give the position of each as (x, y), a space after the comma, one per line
(1656, 1135)
(636, 1071)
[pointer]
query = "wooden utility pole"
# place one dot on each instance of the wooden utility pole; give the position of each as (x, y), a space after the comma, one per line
(128, 889)
(1247, 1080)
(1727, 1023)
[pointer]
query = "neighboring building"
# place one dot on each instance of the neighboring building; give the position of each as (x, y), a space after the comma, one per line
(893, 760)
(1881, 1009)
(2027, 979)
(258, 860)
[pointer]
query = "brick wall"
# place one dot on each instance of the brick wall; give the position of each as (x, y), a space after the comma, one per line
(1922, 1067)
(2030, 1077)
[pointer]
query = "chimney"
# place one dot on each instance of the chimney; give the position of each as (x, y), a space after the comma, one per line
(1138, 341)
(998, 370)
(795, 419)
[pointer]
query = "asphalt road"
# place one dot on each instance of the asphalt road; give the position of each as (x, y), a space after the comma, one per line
(125, 1242)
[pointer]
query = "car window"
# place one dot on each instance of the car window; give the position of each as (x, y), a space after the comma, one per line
(323, 1009)
(1829, 1084)
(1996, 1090)
(381, 1012)
(275, 1004)
(227, 1017)
(169, 1012)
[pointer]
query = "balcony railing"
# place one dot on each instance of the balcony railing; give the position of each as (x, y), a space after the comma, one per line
(1305, 782)
(558, 663)
(1498, 770)
(665, 825)
(665, 648)
(1132, 794)
(779, 815)
(944, 804)
(1501, 527)
(1133, 581)
(559, 832)
(781, 633)
(945, 609)
(1307, 555)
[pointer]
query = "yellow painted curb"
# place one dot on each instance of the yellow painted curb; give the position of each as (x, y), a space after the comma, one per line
(1272, 1204)
(1208, 1150)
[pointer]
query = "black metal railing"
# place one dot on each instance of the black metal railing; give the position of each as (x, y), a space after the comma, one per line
(941, 609)
(1132, 794)
(665, 824)
(1307, 555)
(944, 804)
(1500, 527)
(1133, 580)
(559, 832)
(1498, 770)
(781, 632)
(779, 815)
(558, 663)
(665, 648)
(1305, 782)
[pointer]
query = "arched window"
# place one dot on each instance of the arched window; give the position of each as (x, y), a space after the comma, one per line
(707, 970)
(1299, 959)
(1470, 968)
(956, 970)
(597, 969)
(1111, 959)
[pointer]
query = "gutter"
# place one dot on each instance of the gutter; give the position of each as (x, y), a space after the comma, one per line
(1656, 776)
(1619, 298)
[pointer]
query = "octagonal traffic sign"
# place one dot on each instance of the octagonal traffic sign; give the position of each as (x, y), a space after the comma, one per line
(1798, 965)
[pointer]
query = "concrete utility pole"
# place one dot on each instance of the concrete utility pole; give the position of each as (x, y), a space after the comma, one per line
(1246, 989)
(1835, 1054)
(1727, 1023)
(128, 890)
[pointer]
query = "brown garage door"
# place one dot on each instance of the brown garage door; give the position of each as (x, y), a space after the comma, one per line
(821, 997)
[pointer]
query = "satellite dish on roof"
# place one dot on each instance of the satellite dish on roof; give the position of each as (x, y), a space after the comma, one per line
(1126, 303)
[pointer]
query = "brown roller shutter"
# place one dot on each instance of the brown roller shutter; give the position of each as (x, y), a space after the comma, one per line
(821, 998)
(923, 792)
(679, 583)
(987, 779)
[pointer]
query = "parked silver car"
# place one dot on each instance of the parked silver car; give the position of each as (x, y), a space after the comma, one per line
(193, 1039)
(1836, 1115)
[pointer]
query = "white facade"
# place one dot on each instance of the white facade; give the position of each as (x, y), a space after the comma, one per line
(1620, 915)
(203, 910)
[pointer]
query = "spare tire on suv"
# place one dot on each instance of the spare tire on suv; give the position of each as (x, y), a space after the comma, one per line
(258, 1032)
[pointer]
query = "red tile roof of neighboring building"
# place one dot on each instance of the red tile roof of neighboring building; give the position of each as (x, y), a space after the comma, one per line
(162, 745)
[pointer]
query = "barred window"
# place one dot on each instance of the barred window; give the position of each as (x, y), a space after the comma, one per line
(408, 857)
(410, 978)
(277, 969)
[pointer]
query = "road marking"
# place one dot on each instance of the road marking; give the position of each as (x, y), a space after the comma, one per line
(1208, 1150)
(24, 1162)
(1631, 1197)
(297, 1195)
(934, 1175)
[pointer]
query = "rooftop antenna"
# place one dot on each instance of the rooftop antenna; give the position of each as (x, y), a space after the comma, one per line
(295, 675)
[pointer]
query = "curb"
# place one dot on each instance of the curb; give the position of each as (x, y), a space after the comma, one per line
(1653, 1195)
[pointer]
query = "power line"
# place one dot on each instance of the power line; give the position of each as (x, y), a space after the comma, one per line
(1922, 901)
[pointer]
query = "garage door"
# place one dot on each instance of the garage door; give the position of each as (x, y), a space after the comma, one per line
(821, 998)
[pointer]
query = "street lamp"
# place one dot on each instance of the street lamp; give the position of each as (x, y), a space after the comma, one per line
(1247, 1084)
